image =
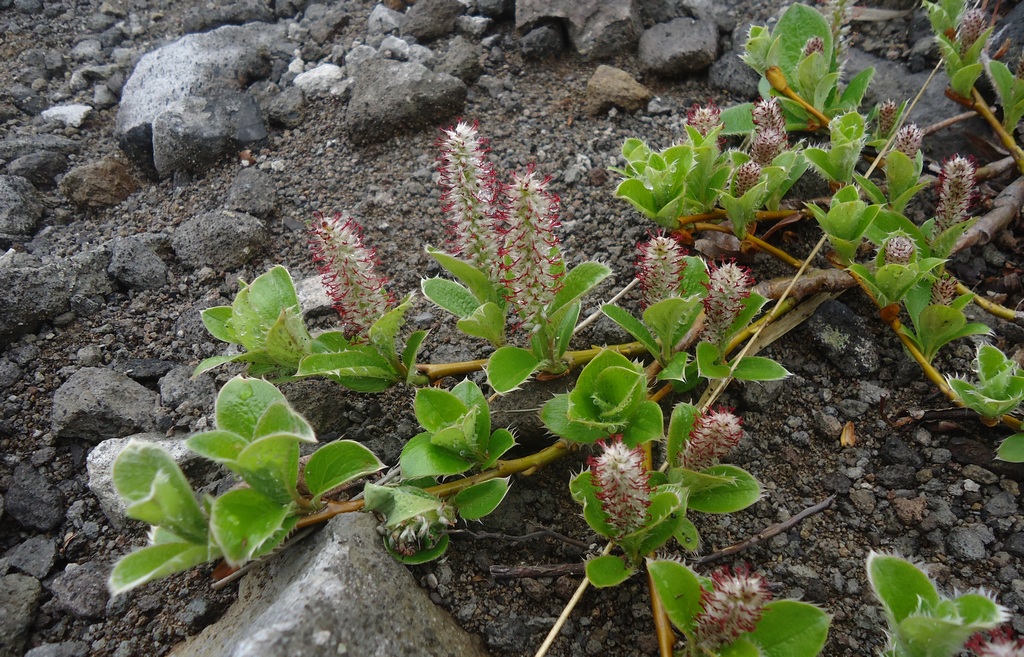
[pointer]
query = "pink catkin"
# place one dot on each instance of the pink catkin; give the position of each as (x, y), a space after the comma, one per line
(348, 272)
(622, 485)
(714, 434)
(956, 192)
(732, 607)
(660, 264)
(728, 288)
(999, 643)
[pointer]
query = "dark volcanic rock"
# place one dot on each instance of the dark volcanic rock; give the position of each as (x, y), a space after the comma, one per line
(20, 208)
(97, 403)
(222, 239)
(33, 501)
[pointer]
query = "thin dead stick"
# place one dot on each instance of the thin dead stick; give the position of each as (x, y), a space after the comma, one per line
(812, 282)
(593, 316)
(953, 120)
(1005, 208)
(764, 534)
(994, 169)
(564, 616)
(522, 572)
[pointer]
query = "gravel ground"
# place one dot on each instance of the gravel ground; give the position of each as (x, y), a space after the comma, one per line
(925, 490)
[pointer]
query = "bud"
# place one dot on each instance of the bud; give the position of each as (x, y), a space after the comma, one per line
(888, 113)
(767, 145)
(908, 140)
(531, 259)
(999, 643)
(745, 177)
(972, 25)
(944, 290)
(814, 45)
(622, 485)
(421, 531)
(898, 250)
(956, 192)
(732, 607)
(714, 434)
(348, 272)
(704, 118)
(471, 197)
(660, 268)
(728, 287)
(768, 114)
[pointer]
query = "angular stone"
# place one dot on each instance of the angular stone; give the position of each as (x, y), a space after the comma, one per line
(40, 168)
(98, 184)
(33, 501)
(134, 264)
(254, 192)
(20, 208)
(19, 597)
(34, 557)
(598, 29)
(221, 239)
(365, 603)
(97, 403)
(612, 87)
(81, 590)
(389, 97)
(683, 46)
(431, 19)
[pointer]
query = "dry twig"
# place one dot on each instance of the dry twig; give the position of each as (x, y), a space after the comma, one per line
(1005, 208)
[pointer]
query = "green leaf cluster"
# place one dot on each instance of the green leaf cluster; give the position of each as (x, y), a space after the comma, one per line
(846, 222)
(935, 325)
(902, 178)
(476, 301)
(457, 434)
(1011, 93)
(922, 621)
(847, 137)
(1000, 384)
(963, 67)
(257, 437)
(787, 628)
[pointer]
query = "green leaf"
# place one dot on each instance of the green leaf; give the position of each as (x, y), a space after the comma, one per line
(582, 489)
(399, 503)
(741, 647)
(708, 361)
(789, 628)
(856, 88)
(680, 592)
(645, 424)
(242, 402)
(737, 490)
(477, 281)
(383, 333)
(901, 586)
(679, 427)
(212, 362)
(565, 329)
(155, 491)
(687, 535)
(738, 119)
(1012, 449)
(217, 321)
(156, 561)
(245, 523)
(508, 367)
(798, 24)
(757, 368)
(481, 499)
(423, 556)
(218, 445)
(409, 353)
(281, 418)
(271, 466)
(671, 319)
(607, 570)
(633, 326)
(358, 368)
(287, 339)
(421, 458)
(338, 463)
(487, 322)
(500, 442)
(577, 281)
(437, 409)
(450, 296)
(555, 416)
(639, 196)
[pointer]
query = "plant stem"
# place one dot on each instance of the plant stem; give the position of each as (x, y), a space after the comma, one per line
(777, 79)
(718, 213)
(564, 616)
(662, 626)
(981, 107)
(436, 372)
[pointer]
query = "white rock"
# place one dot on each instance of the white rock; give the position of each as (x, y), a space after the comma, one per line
(71, 115)
(321, 80)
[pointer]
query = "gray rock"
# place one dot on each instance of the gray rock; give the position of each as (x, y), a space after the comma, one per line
(844, 338)
(33, 501)
(254, 192)
(64, 649)
(1015, 544)
(215, 14)
(391, 47)
(40, 168)
(473, 26)
(612, 87)
(431, 19)
(288, 8)
(1011, 27)
(542, 41)
(968, 542)
(730, 73)
(598, 29)
(389, 97)
(134, 264)
(37, 290)
(222, 239)
(312, 297)
(20, 207)
(101, 460)
(196, 132)
(680, 47)
(19, 598)
(355, 58)
(710, 10)
(662, 11)
(324, 21)
(97, 403)
(25, 99)
(81, 590)
(15, 147)
(206, 65)
(367, 604)
(285, 110)
(462, 60)
(324, 80)
(67, 115)
(10, 373)
(178, 388)
(496, 8)
(1001, 505)
(101, 184)
(34, 556)
(384, 21)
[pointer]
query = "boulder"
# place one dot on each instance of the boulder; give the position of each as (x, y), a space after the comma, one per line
(222, 239)
(20, 207)
(612, 87)
(683, 46)
(99, 184)
(598, 29)
(97, 403)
